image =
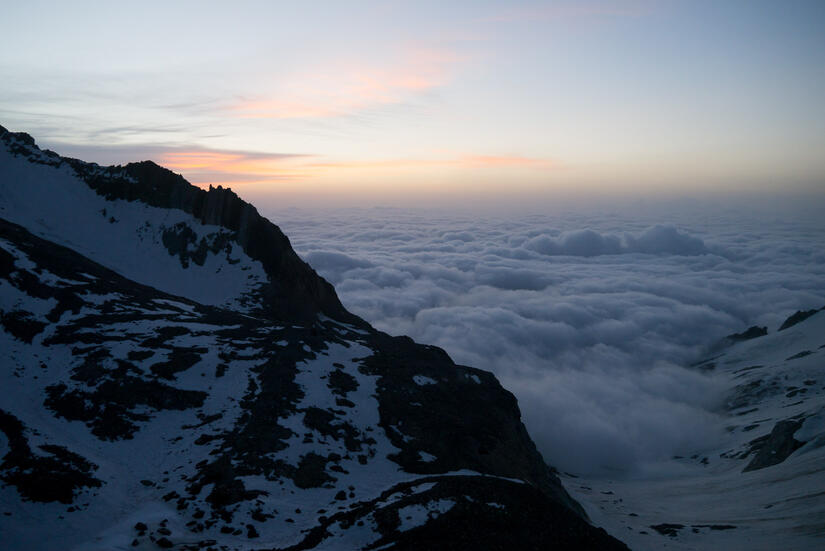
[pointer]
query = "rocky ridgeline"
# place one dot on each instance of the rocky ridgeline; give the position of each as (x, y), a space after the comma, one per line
(295, 291)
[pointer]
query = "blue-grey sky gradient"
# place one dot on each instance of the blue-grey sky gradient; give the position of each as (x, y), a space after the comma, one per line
(390, 100)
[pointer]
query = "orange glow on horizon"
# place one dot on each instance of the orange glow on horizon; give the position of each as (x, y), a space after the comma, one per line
(234, 168)
(205, 166)
(190, 160)
(490, 160)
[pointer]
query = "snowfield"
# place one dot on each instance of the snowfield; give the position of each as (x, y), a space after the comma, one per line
(705, 500)
(125, 236)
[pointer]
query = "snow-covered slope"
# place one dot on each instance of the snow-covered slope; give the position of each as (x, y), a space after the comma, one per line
(764, 487)
(150, 225)
(161, 391)
(130, 237)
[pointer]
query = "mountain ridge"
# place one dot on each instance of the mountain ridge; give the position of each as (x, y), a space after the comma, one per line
(251, 411)
(306, 293)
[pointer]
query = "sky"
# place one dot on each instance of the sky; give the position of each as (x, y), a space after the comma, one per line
(397, 103)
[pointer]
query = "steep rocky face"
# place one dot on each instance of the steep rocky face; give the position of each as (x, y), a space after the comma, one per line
(137, 417)
(463, 414)
(294, 290)
(777, 446)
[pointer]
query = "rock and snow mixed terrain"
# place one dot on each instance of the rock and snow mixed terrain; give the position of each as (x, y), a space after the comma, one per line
(763, 486)
(596, 347)
(174, 376)
(612, 351)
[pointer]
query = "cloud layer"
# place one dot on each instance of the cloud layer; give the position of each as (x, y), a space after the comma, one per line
(589, 319)
(659, 239)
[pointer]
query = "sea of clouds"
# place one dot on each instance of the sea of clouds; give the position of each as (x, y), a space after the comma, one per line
(591, 319)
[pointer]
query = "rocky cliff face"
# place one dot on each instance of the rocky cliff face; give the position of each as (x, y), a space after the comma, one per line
(175, 376)
(294, 290)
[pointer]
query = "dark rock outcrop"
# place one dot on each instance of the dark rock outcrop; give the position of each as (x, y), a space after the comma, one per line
(778, 446)
(797, 317)
(464, 417)
(56, 476)
(520, 518)
(750, 333)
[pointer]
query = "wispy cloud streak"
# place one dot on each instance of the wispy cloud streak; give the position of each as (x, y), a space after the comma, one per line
(345, 87)
(211, 167)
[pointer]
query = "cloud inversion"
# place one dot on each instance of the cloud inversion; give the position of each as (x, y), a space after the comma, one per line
(590, 320)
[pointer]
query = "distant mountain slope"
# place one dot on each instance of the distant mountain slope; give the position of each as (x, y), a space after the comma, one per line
(763, 486)
(174, 376)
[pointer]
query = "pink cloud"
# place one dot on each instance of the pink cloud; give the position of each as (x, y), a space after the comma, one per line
(346, 87)
(211, 167)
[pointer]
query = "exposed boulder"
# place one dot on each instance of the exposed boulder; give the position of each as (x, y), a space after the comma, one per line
(779, 445)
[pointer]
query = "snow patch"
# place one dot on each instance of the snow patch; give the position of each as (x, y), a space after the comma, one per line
(426, 457)
(422, 380)
(412, 516)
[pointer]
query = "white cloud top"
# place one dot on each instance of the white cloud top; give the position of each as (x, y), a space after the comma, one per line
(588, 318)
